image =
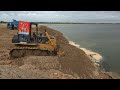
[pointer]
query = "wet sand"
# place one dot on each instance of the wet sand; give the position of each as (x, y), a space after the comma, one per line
(95, 57)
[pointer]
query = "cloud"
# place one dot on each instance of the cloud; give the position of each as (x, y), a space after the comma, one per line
(61, 16)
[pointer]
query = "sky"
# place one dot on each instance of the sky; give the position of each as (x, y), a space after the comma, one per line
(62, 16)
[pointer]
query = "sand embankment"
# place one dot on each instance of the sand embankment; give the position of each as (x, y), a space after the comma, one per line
(75, 64)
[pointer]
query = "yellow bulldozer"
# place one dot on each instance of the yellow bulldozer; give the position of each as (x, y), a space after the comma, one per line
(28, 42)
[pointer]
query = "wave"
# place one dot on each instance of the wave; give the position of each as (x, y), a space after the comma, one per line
(95, 57)
(74, 44)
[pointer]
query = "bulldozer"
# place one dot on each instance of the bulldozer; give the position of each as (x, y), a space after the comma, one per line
(28, 42)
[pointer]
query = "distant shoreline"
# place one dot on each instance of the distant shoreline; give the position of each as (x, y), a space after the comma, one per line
(78, 23)
(64, 23)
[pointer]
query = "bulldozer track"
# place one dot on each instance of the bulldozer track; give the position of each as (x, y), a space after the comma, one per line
(20, 51)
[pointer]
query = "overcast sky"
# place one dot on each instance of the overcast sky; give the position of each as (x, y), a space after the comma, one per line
(61, 16)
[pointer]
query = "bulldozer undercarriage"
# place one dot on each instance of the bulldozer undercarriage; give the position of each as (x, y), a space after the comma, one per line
(30, 51)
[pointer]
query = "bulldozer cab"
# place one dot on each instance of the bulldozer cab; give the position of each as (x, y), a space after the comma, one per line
(28, 33)
(24, 34)
(34, 32)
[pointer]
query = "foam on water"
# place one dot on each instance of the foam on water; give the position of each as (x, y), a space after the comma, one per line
(95, 57)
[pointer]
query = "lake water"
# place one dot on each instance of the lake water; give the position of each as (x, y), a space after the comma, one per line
(101, 38)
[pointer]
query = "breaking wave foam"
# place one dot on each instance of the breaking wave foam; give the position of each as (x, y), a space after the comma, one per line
(95, 57)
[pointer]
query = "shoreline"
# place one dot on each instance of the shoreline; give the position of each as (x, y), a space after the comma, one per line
(94, 57)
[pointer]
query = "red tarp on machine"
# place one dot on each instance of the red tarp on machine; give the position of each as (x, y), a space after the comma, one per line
(23, 27)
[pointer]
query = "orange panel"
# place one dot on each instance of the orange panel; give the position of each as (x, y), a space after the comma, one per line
(23, 27)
